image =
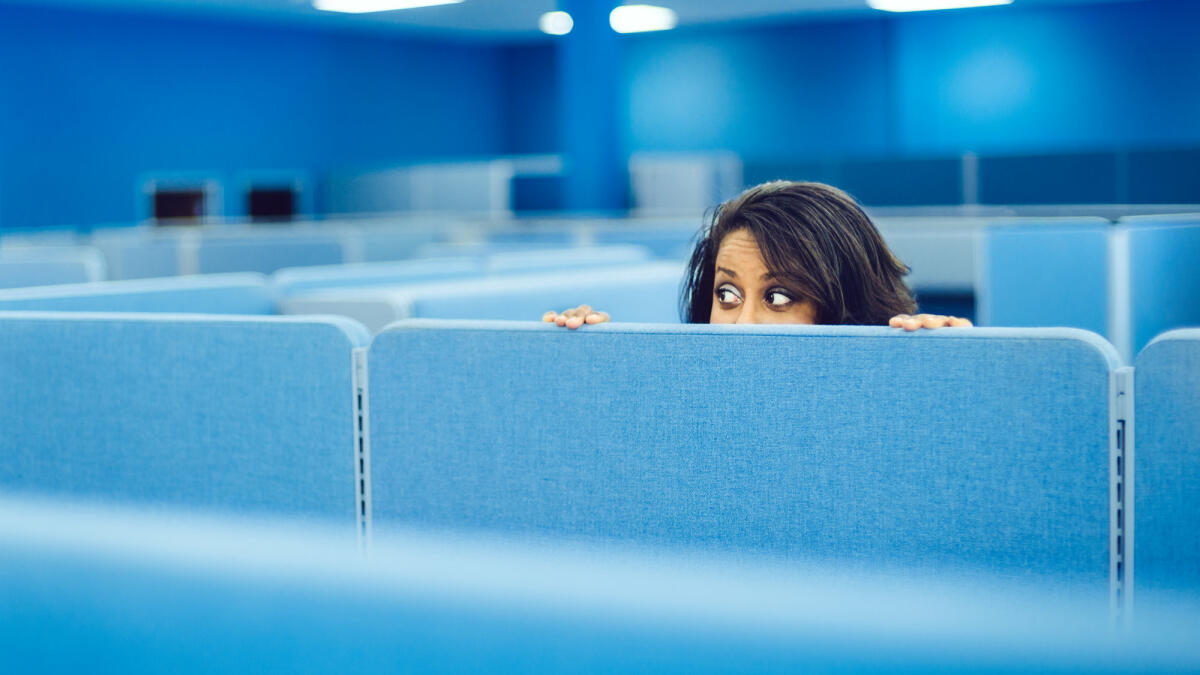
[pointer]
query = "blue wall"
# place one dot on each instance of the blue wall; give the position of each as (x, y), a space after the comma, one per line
(92, 100)
(813, 88)
(1007, 79)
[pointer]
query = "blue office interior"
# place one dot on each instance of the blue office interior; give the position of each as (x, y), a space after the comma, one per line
(1076, 103)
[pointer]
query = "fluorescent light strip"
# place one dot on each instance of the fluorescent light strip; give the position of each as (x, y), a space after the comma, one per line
(364, 6)
(556, 23)
(927, 5)
(642, 18)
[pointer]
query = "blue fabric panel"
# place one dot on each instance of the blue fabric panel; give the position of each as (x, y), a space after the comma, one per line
(243, 414)
(89, 590)
(565, 258)
(205, 294)
(38, 266)
(267, 254)
(983, 449)
(1167, 468)
(1164, 275)
(296, 280)
(384, 246)
(492, 248)
(1045, 275)
(136, 254)
(670, 244)
(547, 237)
(633, 293)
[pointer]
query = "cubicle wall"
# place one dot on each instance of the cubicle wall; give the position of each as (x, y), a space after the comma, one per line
(1052, 273)
(1166, 460)
(631, 292)
(97, 589)
(998, 452)
(205, 294)
(957, 450)
(1129, 281)
(1161, 259)
(47, 265)
(235, 414)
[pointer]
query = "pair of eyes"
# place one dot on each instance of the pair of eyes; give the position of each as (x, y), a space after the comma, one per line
(776, 297)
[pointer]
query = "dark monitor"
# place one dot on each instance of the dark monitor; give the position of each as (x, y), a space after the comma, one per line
(178, 205)
(271, 204)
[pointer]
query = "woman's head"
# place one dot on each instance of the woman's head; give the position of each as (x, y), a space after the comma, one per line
(787, 252)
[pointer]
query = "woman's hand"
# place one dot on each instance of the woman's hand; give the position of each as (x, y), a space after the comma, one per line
(575, 317)
(915, 321)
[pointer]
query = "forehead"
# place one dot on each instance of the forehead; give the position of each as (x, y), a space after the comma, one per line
(739, 251)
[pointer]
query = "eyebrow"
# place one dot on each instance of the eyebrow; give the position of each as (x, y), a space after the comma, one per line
(726, 270)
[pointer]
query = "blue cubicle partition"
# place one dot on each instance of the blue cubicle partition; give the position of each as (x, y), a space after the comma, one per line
(1166, 477)
(636, 292)
(266, 253)
(96, 589)
(205, 294)
(1161, 275)
(301, 280)
(48, 265)
(242, 414)
(142, 252)
(1053, 273)
(957, 451)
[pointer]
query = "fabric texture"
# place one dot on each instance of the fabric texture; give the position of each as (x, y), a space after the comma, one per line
(238, 414)
(973, 450)
(1167, 468)
(207, 294)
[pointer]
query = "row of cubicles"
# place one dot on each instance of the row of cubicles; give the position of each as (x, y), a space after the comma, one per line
(1127, 279)
(206, 482)
(247, 489)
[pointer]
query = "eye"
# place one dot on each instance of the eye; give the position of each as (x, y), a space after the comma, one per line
(727, 295)
(778, 297)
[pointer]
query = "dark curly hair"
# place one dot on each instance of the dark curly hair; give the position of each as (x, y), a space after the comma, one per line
(817, 238)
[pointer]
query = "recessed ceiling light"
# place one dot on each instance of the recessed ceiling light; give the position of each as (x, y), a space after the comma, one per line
(556, 23)
(926, 5)
(642, 18)
(364, 6)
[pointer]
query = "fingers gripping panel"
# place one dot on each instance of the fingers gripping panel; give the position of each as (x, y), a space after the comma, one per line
(247, 415)
(984, 449)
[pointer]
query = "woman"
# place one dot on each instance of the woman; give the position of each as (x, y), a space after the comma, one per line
(791, 252)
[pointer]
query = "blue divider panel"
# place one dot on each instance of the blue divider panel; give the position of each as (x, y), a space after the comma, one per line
(204, 294)
(296, 280)
(982, 449)
(266, 254)
(667, 243)
(1052, 274)
(115, 592)
(1164, 274)
(223, 412)
(135, 253)
(1167, 467)
(638, 293)
(384, 245)
(41, 266)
